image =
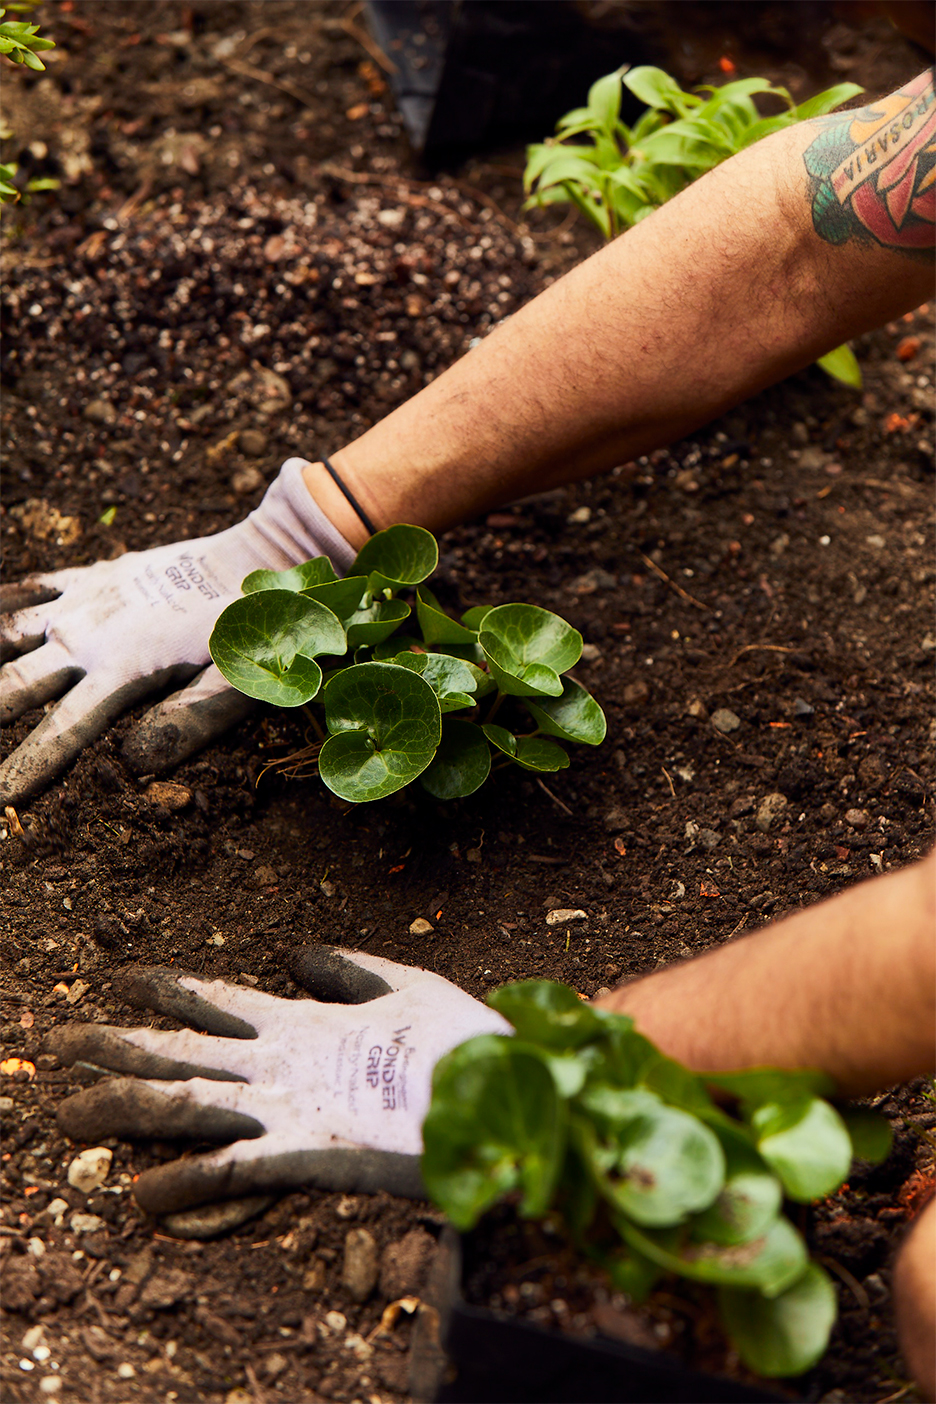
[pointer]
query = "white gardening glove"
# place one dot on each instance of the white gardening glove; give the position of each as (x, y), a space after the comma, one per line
(119, 630)
(332, 1094)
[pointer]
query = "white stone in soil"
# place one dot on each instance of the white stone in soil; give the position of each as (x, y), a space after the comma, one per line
(90, 1169)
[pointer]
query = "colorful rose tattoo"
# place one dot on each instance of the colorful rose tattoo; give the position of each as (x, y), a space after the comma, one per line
(874, 171)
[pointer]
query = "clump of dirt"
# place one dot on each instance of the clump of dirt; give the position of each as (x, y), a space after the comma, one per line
(756, 603)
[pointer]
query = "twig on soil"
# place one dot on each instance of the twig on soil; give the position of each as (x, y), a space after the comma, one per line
(900, 1394)
(904, 489)
(253, 39)
(555, 798)
(474, 193)
(368, 44)
(134, 202)
(669, 780)
(764, 648)
(684, 594)
(259, 75)
(259, 1397)
(852, 1283)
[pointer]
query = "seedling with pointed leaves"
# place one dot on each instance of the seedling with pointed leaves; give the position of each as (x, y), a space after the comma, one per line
(617, 174)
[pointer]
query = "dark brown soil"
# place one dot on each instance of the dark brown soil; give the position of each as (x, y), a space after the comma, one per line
(216, 228)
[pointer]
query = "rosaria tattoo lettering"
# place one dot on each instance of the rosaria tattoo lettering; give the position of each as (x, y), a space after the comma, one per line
(874, 171)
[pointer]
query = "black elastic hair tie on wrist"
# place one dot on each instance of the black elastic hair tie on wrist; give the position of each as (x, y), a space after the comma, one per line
(359, 510)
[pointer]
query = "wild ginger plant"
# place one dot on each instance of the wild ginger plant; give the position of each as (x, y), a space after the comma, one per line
(583, 1120)
(417, 705)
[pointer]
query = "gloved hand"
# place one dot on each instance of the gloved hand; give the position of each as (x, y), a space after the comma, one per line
(119, 630)
(309, 1093)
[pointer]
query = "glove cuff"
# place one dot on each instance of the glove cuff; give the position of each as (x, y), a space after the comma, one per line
(291, 521)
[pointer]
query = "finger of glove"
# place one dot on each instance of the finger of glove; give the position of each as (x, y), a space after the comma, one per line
(35, 679)
(23, 630)
(332, 978)
(185, 723)
(211, 1005)
(80, 718)
(36, 589)
(124, 1106)
(100, 1047)
(235, 1172)
(389, 972)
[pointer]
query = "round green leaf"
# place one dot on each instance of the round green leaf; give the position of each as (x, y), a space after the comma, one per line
(753, 1086)
(656, 1163)
(474, 617)
(401, 555)
(296, 578)
(462, 763)
(575, 716)
(527, 648)
(806, 1143)
(385, 724)
(342, 597)
(501, 738)
(871, 1136)
(770, 1263)
(265, 643)
(435, 624)
(451, 680)
(749, 1200)
(495, 1124)
(535, 753)
(530, 752)
(376, 622)
(551, 1014)
(786, 1334)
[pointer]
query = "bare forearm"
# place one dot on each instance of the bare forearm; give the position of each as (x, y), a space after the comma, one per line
(724, 290)
(848, 986)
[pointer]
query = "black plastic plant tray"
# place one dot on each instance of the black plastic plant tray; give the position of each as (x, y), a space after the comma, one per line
(476, 73)
(496, 1358)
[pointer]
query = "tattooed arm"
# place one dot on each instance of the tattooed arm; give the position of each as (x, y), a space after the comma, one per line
(807, 239)
(769, 261)
(873, 172)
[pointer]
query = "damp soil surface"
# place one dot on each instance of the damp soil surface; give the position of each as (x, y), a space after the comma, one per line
(244, 261)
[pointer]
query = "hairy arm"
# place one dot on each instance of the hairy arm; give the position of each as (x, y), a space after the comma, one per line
(808, 238)
(848, 986)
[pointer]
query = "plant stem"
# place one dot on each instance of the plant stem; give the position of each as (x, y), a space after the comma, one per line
(494, 706)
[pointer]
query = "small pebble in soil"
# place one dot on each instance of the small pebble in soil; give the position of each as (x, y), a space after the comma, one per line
(168, 795)
(86, 1223)
(421, 927)
(90, 1169)
(725, 721)
(562, 916)
(769, 811)
(361, 1264)
(253, 442)
(212, 1220)
(857, 818)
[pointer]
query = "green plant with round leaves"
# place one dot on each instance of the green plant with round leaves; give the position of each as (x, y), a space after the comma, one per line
(648, 1173)
(617, 174)
(414, 705)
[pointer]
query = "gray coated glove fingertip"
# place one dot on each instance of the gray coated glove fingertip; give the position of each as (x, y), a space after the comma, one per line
(157, 987)
(334, 979)
(166, 736)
